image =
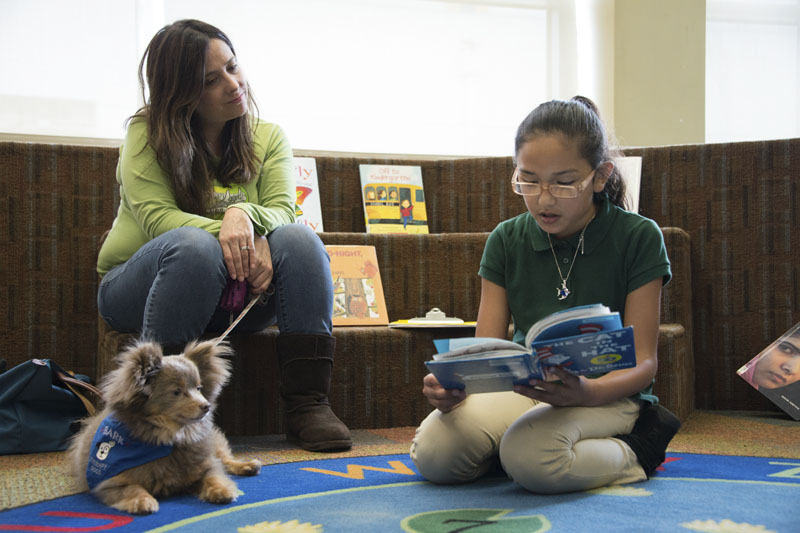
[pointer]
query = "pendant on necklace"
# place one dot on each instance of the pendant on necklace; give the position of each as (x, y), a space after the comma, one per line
(562, 292)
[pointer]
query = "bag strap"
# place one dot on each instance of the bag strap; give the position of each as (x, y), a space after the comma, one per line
(79, 387)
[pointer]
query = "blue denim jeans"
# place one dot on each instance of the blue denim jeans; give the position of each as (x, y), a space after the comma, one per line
(169, 290)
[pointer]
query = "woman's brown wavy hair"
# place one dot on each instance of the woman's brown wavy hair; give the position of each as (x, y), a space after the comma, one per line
(174, 64)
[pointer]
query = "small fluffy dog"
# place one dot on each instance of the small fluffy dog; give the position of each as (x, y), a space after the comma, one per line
(155, 436)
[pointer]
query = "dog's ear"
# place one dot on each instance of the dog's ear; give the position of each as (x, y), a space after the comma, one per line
(214, 370)
(138, 365)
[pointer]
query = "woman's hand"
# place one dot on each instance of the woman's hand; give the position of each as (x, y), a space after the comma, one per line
(570, 390)
(439, 397)
(261, 273)
(237, 238)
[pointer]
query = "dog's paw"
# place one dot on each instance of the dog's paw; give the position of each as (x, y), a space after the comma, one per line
(218, 489)
(244, 468)
(139, 504)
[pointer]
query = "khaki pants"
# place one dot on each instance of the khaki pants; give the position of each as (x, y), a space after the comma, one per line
(545, 449)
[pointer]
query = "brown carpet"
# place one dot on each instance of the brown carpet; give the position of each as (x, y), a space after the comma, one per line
(26, 479)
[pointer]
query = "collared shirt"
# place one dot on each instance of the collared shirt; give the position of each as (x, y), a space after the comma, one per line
(622, 251)
(115, 450)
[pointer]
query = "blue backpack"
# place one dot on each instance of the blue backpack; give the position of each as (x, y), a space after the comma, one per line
(41, 406)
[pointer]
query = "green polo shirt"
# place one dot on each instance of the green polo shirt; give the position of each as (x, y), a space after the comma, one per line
(622, 251)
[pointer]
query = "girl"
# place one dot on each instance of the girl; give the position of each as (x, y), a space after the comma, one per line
(575, 245)
(207, 199)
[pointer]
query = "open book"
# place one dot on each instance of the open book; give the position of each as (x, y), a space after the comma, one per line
(775, 372)
(584, 340)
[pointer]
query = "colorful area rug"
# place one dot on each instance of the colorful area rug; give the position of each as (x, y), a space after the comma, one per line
(691, 492)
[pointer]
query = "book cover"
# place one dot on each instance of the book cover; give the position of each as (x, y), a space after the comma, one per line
(357, 290)
(307, 205)
(393, 199)
(580, 340)
(775, 372)
(630, 168)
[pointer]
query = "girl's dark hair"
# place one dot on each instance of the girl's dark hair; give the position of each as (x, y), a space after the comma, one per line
(174, 64)
(577, 119)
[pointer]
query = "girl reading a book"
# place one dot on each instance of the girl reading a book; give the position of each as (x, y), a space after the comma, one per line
(207, 204)
(575, 245)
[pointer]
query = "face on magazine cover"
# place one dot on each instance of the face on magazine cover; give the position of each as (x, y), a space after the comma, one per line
(780, 365)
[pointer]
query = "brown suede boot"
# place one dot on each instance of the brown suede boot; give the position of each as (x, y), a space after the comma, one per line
(306, 363)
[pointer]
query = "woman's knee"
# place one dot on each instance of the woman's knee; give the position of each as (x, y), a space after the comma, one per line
(297, 241)
(191, 240)
(197, 251)
(298, 252)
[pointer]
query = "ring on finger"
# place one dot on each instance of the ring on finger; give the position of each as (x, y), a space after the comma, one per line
(244, 248)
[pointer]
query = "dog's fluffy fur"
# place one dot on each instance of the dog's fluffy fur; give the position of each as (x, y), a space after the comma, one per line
(165, 400)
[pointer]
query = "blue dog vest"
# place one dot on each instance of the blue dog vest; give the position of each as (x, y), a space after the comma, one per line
(114, 450)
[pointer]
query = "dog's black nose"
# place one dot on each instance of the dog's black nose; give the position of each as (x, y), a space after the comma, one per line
(206, 407)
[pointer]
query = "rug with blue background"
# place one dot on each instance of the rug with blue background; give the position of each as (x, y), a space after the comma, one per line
(690, 492)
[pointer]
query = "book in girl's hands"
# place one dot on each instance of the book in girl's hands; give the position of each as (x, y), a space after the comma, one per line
(307, 207)
(393, 198)
(775, 372)
(584, 340)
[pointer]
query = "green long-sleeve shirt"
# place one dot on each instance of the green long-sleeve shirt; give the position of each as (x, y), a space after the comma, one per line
(148, 207)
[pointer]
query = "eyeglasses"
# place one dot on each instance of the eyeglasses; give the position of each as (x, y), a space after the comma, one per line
(526, 188)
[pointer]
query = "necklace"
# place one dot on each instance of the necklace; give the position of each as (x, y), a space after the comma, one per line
(562, 292)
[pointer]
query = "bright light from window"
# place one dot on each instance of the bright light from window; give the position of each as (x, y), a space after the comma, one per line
(396, 76)
(752, 70)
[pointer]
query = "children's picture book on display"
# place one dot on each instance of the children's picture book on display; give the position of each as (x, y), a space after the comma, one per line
(307, 207)
(775, 372)
(630, 168)
(584, 340)
(357, 290)
(393, 199)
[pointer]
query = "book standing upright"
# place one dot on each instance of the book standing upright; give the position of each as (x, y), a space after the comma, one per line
(775, 372)
(307, 205)
(630, 168)
(357, 290)
(393, 199)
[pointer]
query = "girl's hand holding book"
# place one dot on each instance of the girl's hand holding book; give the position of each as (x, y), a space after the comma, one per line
(439, 397)
(567, 390)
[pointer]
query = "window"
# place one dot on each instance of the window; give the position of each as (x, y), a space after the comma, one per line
(397, 76)
(752, 70)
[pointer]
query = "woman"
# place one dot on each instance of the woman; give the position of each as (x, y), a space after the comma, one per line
(207, 200)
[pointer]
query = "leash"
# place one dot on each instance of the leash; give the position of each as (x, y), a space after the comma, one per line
(238, 319)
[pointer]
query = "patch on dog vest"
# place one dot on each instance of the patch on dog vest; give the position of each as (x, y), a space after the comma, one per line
(115, 450)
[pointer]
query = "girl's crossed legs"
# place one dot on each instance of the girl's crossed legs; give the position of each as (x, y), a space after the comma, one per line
(545, 449)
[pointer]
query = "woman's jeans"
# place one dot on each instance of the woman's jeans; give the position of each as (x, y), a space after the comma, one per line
(169, 291)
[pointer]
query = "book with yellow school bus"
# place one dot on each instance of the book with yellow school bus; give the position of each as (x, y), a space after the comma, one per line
(393, 199)
(585, 340)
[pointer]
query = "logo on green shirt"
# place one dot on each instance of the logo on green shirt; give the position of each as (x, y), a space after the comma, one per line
(224, 197)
